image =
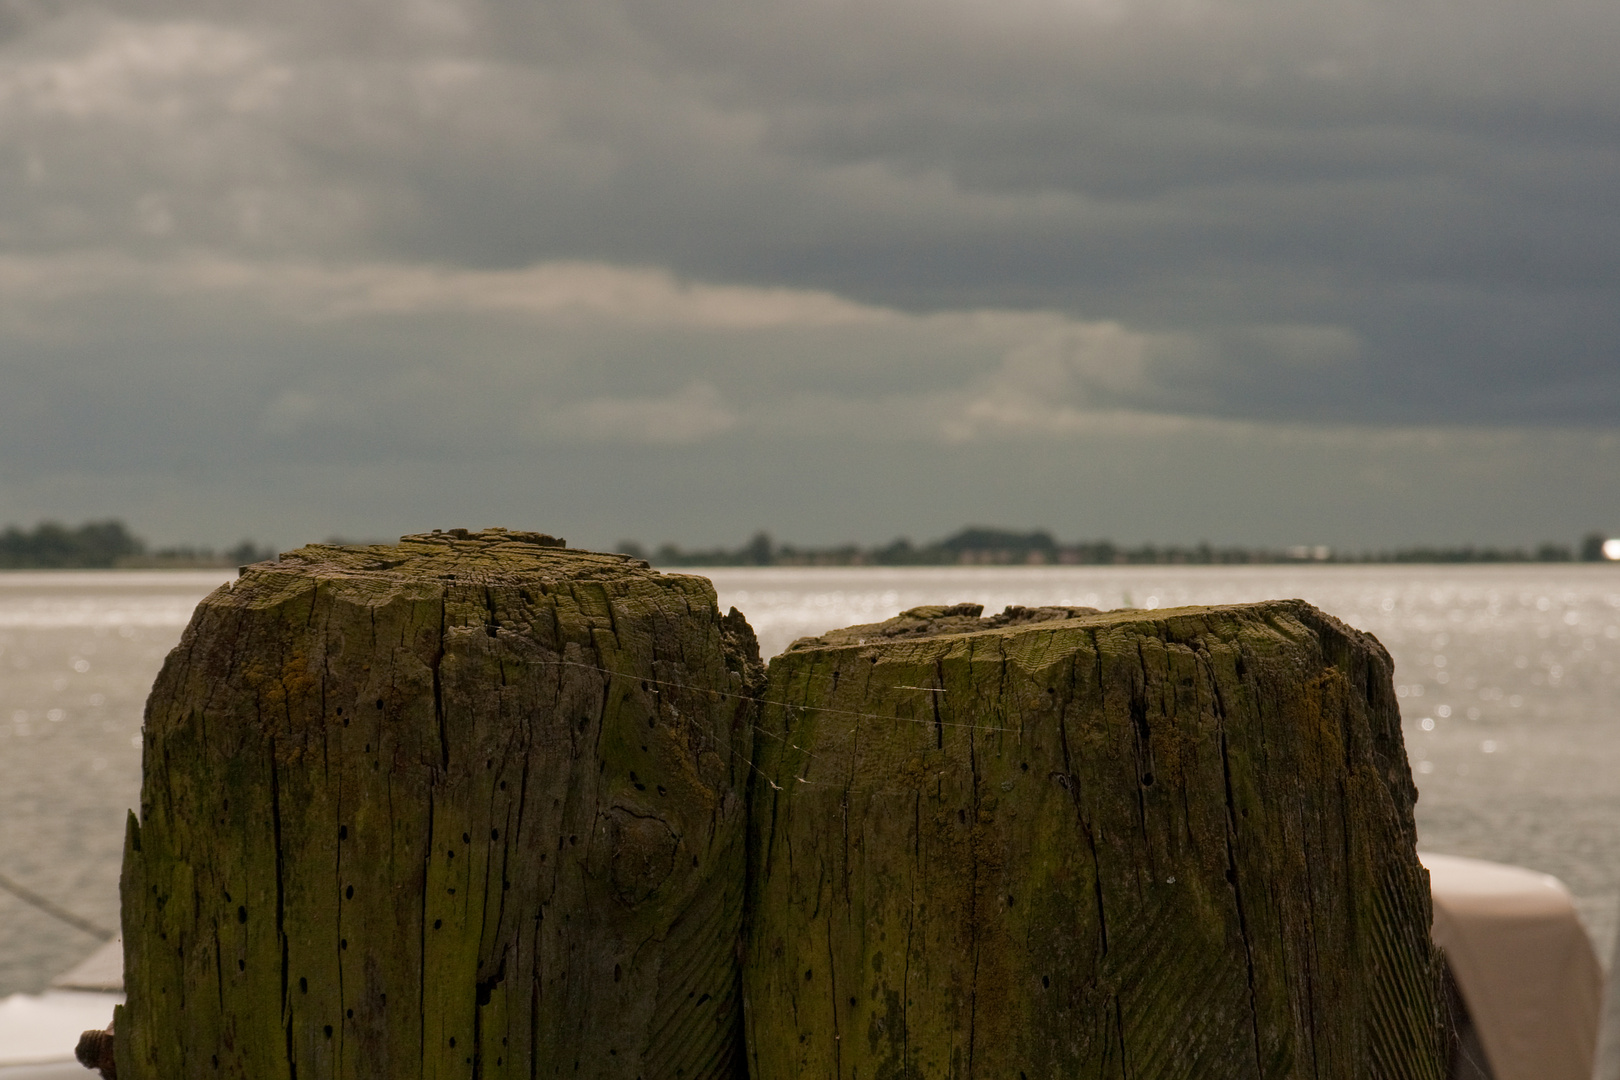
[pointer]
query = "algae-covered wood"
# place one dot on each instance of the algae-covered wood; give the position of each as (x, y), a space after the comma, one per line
(1057, 844)
(468, 805)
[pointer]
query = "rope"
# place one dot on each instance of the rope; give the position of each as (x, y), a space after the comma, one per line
(55, 911)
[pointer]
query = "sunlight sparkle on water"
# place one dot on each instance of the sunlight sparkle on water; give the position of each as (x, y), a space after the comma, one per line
(1509, 676)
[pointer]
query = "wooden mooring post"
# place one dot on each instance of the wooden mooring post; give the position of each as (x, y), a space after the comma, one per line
(475, 805)
(471, 805)
(1056, 843)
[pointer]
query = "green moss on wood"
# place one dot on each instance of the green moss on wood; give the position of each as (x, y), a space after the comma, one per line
(469, 805)
(1057, 844)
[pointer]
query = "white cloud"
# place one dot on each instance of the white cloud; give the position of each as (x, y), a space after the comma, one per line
(327, 291)
(152, 76)
(582, 291)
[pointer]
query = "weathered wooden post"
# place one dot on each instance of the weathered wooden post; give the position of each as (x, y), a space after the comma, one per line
(469, 805)
(1055, 844)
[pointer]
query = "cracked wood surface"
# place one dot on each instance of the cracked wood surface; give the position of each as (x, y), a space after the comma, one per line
(468, 805)
(1065, 844)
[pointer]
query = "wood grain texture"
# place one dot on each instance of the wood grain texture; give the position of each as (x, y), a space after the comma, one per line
(468, 805)
(1140, 845)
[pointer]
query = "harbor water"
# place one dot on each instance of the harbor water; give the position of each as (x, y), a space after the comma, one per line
(1508, 676)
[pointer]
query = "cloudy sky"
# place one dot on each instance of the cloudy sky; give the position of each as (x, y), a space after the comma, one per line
(1251, 271)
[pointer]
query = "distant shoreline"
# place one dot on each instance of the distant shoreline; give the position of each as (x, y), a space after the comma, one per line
(109, 545)
(980, 546)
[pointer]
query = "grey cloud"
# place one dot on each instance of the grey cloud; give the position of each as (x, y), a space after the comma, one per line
(1035, 152)
(1165, 479)
(340, 236)
(550, 353)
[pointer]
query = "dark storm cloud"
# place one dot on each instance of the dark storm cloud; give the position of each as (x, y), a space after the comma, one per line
(1439, 181)
(349, 235)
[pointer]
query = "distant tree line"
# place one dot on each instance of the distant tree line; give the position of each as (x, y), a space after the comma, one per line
(981, 546)
(51, 545)
(107, 544)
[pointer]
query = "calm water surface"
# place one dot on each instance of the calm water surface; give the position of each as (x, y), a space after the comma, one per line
(1508, 676)
(78, 652)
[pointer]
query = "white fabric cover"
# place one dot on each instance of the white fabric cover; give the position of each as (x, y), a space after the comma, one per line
(46, 1027)
(1524, 965)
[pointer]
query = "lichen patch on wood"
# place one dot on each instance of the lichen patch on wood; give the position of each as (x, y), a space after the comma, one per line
(1136, 844)
(468, 805)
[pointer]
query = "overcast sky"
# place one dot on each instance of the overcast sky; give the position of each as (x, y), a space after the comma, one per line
(1251, 271)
